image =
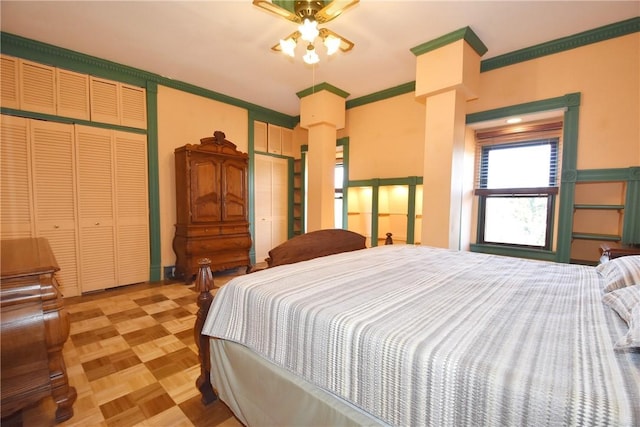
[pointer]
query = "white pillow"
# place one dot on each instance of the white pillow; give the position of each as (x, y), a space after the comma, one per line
(626, 302)
(631, 341)
(620, 272)
(623, 300)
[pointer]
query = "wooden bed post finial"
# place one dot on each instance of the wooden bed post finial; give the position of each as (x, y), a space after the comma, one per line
(204, 283)
(389, 239)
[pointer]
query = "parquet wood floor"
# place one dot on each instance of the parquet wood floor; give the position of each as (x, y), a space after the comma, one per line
(132, 358)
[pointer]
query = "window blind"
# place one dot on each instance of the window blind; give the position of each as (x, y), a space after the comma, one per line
(530, 135)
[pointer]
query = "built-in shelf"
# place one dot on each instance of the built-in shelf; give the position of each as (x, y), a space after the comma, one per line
(599, 207)
(595, 236)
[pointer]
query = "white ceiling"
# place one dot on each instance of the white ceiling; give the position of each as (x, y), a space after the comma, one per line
(224, 46)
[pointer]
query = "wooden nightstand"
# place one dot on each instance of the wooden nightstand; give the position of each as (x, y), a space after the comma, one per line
(614, 250)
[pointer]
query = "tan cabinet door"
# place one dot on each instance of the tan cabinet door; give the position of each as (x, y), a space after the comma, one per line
(16, 213)
(95, 180)
(271, 201)
(53, 160)
(132, 207)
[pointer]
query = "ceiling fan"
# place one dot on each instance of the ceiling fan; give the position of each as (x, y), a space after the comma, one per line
(308, 14)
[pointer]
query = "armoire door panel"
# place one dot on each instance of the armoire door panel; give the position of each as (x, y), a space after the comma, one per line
(235, 193)
(16, 214)
(205, 190)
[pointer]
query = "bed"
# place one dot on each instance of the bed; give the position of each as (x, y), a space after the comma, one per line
(413, 335)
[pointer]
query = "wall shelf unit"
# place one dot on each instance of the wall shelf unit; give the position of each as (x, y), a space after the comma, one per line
(605, 209)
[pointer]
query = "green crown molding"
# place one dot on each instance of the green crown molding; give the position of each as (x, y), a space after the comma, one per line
(383, 94)
(48, 54)
(322, 86)
(465, 34)
(596, 35)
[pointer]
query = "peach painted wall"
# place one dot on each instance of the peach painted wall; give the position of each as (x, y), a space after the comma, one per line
(386, 138)
(607, 74)
(184, 118)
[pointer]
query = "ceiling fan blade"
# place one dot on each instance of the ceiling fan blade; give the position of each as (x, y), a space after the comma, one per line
(345, 45)
(269, 6)
(295, 36)
(333, 10)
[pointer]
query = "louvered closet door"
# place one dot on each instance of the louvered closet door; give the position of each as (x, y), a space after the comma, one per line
(280, 198)
(52, 169)
(262, 198)
(9, 89)
(96, 208)
(73, 94)
(37, 88)
(15, 178)
(271, 197)
(132, 203)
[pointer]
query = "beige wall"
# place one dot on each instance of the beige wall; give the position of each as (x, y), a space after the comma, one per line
(386, 137)
(184, 118)
(607, 74)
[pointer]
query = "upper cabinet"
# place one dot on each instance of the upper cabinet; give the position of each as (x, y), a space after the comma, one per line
(39, 88)
(118, 103)
(268, 138)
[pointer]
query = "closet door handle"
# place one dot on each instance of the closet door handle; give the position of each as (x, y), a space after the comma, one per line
(97, 223)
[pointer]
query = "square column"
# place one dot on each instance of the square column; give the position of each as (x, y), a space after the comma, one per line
(322, 112)
(447, 76)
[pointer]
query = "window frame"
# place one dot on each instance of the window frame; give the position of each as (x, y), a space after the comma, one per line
(550, 192)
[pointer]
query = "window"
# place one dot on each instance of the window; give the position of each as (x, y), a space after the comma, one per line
(517, 184)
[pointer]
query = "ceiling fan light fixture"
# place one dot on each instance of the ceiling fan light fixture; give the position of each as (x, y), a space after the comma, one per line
(309, 30)
(311, 57)
(332, 43)
(308, 14)
(288, 47)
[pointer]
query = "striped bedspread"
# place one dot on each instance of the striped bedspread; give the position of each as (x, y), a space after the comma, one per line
(423, 336)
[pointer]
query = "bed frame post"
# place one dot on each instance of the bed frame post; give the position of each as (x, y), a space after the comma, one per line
(203, 284)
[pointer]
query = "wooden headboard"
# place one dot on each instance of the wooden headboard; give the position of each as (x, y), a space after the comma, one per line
(315, 244)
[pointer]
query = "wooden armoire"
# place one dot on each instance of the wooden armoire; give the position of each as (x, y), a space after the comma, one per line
(211, 202)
